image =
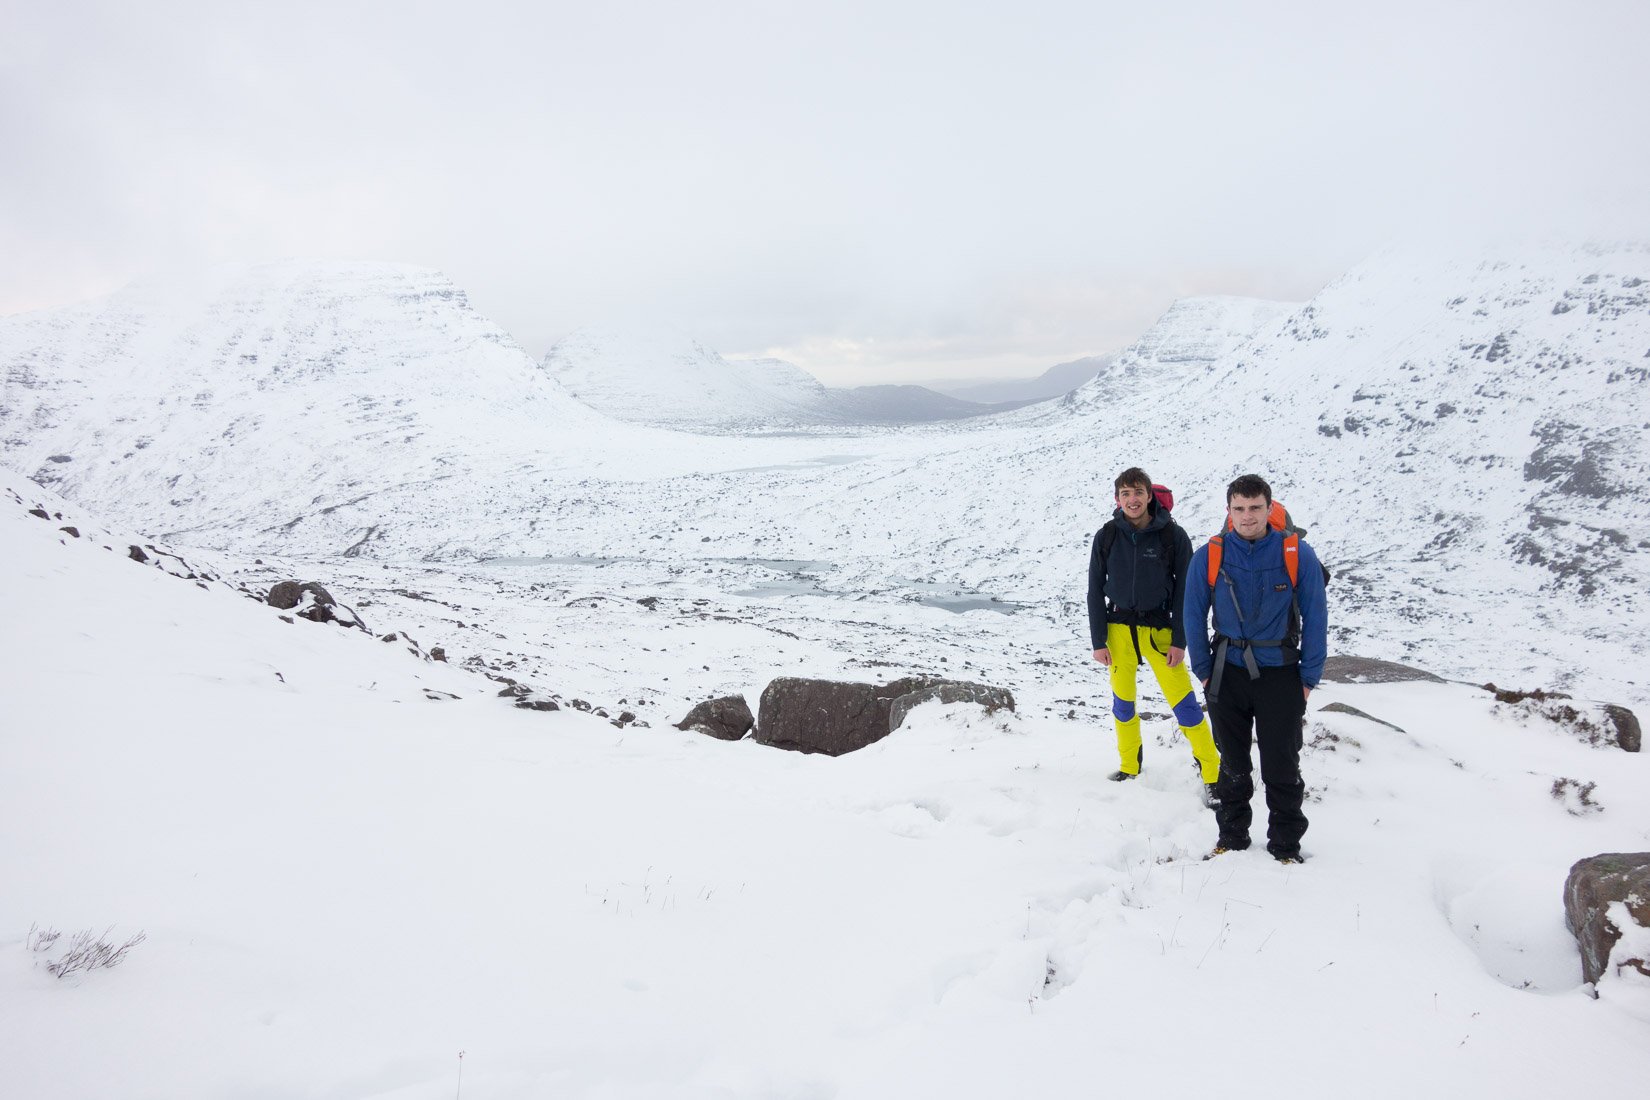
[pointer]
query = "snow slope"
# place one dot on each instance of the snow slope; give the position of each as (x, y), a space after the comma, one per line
(351, 865)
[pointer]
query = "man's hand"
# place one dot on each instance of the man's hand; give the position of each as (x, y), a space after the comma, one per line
(1306, 692)
(1176, 655)
(1103, 656)
(1205, 687)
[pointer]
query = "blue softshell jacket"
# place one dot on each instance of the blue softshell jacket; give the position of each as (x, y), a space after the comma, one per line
(1262, 588)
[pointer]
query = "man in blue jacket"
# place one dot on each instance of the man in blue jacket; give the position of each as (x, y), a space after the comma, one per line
(1271, 627)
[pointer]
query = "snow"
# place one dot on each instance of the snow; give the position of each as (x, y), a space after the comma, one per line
(351, 863)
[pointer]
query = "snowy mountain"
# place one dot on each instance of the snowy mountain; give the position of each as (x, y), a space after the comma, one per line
(245, 395)
(1192, 335)
(671, 381)
(674, 381)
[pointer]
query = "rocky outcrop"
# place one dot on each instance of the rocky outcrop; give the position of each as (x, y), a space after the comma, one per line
(728, 718)
(1593, 885)
(1368, 670)
(308, 600)
(833, 717)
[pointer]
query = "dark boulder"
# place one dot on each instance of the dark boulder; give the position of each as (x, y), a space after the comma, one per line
(1626, 725)
(74, 532)
(1593, 884)
(992, 699)
(1368, 670)
(136, 553)
(309, 600)
(728, 718)
(832, 717)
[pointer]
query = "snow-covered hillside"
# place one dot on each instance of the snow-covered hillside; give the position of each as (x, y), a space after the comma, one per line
(1463, 439)
(350, 864)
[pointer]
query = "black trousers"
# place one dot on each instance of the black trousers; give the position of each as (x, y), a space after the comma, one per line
(1268, 710)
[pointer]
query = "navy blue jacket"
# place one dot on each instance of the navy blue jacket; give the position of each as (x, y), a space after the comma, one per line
(1142, 579)
(1262, 589)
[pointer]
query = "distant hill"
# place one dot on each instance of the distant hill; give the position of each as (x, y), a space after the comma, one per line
(1057, 381)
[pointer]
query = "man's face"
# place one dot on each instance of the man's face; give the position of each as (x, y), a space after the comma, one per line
(1133, 500)
(1249, 515)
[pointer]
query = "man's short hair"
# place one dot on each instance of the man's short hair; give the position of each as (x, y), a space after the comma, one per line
(1134, 475)
(1249, 485)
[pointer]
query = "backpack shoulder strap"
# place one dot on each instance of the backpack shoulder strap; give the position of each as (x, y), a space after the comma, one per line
(1108, 535)
(1214, 549)
(1291, 557)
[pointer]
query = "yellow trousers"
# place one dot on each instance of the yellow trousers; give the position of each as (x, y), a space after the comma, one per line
(1176, 683)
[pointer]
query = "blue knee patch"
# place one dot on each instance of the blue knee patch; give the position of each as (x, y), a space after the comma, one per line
(1121, 709)
(1187, 712)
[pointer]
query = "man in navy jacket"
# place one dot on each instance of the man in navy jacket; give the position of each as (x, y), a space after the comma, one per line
(1267, 654)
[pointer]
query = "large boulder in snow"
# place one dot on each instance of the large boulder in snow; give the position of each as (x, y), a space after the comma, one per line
(728, 718)
(826, 716)
(834, 717)
(308, 600)
(1590, 893)
(1369, 670)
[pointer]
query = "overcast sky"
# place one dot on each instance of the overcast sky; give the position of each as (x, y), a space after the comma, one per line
(880, 192)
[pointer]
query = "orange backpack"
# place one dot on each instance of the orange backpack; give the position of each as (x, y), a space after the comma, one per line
(1280, 521)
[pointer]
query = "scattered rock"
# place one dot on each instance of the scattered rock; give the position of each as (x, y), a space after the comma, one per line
(1368, 670)
(535, 701)
(727, 719)
(1592, 885)
(649, 602)
(308, 600)
(40, 512)
(992, 699)
(438, 654)
(74, 532)
(390, 637)
(1342, 708)
(831, 717)
(136, 553)
(626, 717)
(579, 704)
